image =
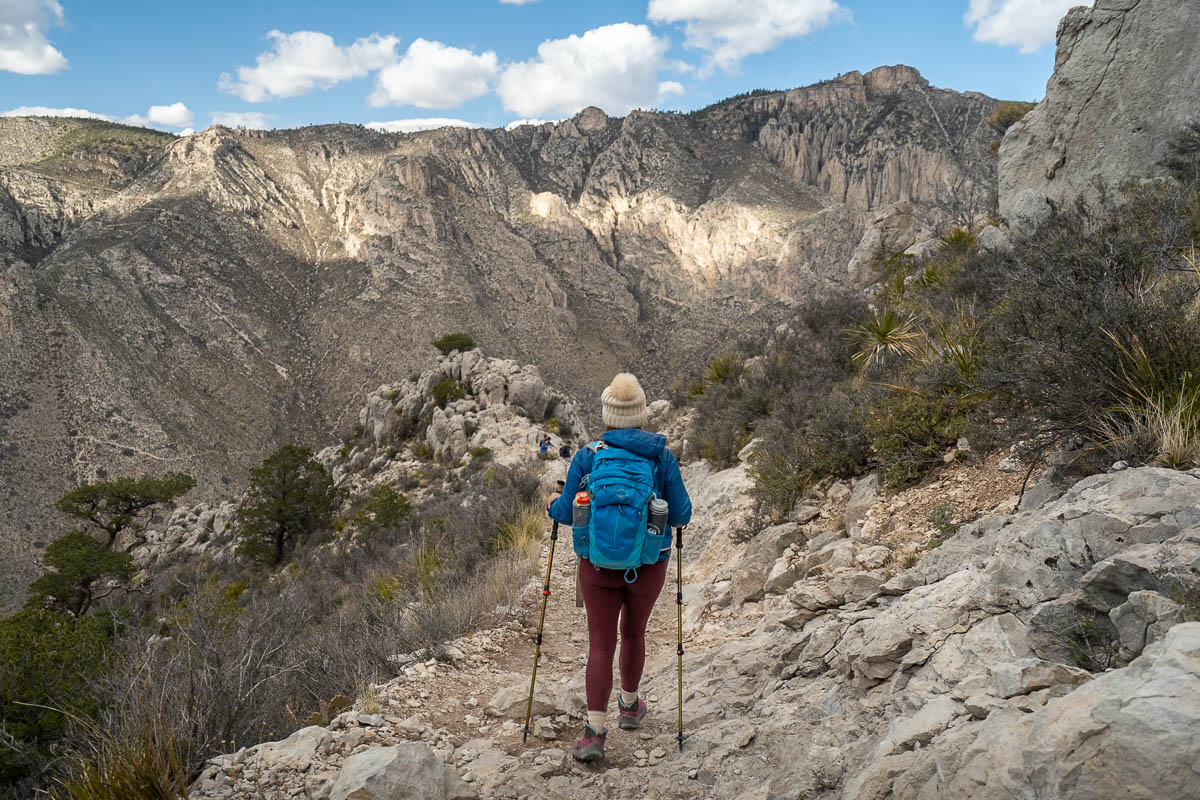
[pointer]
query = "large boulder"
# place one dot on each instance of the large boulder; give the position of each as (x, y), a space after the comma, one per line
(407, 770)
(1125, 82)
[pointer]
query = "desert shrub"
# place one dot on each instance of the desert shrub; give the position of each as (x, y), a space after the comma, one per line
(887, 337)
(735, 393)
(1080, 297)
(821, 437)
(454, 341)
(1158, 419)
(941, 518)
(959, 242)
(447, 391)
(1089, 640)
(522, 532)
(910, 430)
(1183, 156)
(1009, 112)
(386, 511)
(482, 453)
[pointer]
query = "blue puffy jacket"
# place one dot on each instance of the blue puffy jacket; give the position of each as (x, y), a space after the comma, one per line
(649, 445)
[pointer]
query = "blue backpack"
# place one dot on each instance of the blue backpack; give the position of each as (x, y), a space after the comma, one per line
(620, 485)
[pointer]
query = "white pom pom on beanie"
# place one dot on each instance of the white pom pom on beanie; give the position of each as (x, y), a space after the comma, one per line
(624, 403)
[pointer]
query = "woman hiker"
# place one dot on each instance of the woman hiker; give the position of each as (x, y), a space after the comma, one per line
(608, 597)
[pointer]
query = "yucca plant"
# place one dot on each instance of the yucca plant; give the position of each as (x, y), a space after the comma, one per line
(888, 334)
(955, 343)
(930, 275)
(724, 368)
(146, 763)
(1158, 418)
(959, 242)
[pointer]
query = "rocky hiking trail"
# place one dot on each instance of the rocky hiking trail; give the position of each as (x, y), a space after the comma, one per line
(823, 661)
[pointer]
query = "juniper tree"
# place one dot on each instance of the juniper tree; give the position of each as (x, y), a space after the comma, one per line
(80, 566)
(290, 496)
(114, 507)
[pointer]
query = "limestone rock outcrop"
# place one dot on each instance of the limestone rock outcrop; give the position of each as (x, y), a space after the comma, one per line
(1038, 653)
(1126, 77)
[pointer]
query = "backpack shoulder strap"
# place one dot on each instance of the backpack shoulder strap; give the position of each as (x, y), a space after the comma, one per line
(597, 446)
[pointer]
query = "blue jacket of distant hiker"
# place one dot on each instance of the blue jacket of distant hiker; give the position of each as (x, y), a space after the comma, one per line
(648, 445)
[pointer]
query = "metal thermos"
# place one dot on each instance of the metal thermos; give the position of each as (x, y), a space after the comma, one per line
(581, 510)
(657, 522)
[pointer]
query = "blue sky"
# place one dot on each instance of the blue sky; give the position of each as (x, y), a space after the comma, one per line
(283, 63)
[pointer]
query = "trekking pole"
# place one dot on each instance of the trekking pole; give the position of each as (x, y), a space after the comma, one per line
(537, 654)
(679, 618)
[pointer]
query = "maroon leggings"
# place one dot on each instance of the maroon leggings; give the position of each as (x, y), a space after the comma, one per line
(606, 596)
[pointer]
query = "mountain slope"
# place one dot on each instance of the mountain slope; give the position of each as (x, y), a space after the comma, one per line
(191, 305)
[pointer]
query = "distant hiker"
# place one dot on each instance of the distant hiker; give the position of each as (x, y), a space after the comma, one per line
(544, 446)
(621, 473)
(565, 451)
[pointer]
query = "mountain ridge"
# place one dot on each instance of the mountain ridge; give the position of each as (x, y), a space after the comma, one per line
(191, 306)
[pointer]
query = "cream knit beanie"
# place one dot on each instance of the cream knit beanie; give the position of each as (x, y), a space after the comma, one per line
(624, 403)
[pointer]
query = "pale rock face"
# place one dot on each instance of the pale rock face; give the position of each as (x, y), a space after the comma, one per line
(1126, 77)
(1127, 733)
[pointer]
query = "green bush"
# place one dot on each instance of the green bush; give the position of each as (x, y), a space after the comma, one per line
(821, 439)
(1080, 298)
(48, 663)
(910, 431)
(734, 393)
(454, 341)
(482, 453)
(386, 511)
(447, 391)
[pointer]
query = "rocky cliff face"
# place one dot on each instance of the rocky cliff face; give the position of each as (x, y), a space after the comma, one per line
(1126, 78)
(192, 304)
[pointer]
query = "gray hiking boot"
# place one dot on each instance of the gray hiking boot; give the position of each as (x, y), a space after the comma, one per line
(631, 715)
(591, 746)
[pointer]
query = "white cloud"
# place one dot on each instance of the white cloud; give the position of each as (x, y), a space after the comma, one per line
(614, 67)
(23, 44)
(302, 61)
(516, 123)
(176, 115)
(668, 88)
(433, 75)
(255, 120)
(43, 111)
(420, 124)
(1025, 24)
(730, 30)
(187, 132)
